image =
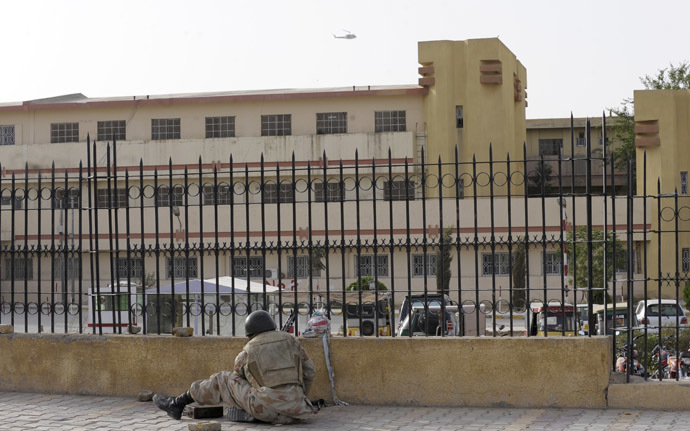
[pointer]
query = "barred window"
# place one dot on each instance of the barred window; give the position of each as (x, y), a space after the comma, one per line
(132, 268)
(8, 201)
(684, 183)
(276, 125)
(119, 200)
(552, 263)
(364, 266)
(272, 196)
(23, 268)
(501, 266)
(389, 121)
(220, 127)
(60, 201)
(180, 269)
(580, 141)
(333, 192)
(6, 135)
(165, 128)
(222, 196)
(418, 265)
(550, 147)
(256, 266)
(399, 190)
(686, 260)
(163, 197)
(112, 130)
(64, 132)
(461, 188)
(331, 122)
(303, 265)
(72, 268)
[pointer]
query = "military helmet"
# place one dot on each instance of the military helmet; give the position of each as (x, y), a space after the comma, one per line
(257, 322)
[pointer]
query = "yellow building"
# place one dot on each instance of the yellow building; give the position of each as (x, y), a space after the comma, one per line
(471, 94)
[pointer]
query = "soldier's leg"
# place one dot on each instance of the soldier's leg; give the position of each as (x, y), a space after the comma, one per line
(232, 389)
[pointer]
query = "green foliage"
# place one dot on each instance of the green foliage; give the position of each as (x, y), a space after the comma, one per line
(519, 276)
(686, 294)
(444, 257)
(577, 258)
(149, 280)
(364, 282)
(623, 127)
(317, 256)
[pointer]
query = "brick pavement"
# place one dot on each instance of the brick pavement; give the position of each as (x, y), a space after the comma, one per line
(24, 411)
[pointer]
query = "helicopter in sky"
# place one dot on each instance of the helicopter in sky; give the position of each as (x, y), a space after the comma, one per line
(349, 35)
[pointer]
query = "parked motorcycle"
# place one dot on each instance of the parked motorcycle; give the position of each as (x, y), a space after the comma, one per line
(637, 369)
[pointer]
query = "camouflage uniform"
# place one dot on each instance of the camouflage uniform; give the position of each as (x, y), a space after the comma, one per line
(282, 404)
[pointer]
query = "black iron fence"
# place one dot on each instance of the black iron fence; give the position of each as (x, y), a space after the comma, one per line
(533, 246)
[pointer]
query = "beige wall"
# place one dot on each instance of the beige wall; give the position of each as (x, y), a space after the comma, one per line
(662, 134)
(455, 372)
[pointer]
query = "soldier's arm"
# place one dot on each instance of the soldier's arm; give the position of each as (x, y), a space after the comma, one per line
(308, 369)
(240, 362)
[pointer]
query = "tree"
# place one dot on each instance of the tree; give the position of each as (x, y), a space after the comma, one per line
(364, 282)
(444, 257)
(623, 128)
(579, 255)
(519, 276)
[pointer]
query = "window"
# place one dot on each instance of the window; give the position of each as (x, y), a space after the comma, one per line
(418, 265)
(271, 195)
(364, 266)
(399, 190)
(461, 188)
(72, 268)
(276, 125)
(256, 267)
(64, 132)
(550, 147)
(332, 192)
(331, 122)
(222, 196)
(552, 263)
(165, 128)
(303, 265)
(179, 268)
(6, 135)
(501, 266)
(601, 141)
(459, 119)
(580, 141)
(23, 268)
(7, 201)
(132, 268)
(163, 196)
(389, 121)
(220, 127)
(103, 200)
(72, 200)
(684, 183)
(112, 130)
(685, 263)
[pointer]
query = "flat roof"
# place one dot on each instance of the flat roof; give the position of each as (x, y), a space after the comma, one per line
(78, 100)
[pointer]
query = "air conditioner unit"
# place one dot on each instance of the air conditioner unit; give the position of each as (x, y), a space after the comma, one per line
(271, 273)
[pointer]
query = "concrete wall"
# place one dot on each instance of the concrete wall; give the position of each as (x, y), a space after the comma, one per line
(520, 372)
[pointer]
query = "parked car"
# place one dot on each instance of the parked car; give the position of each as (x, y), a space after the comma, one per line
(616, 319)
(426, 321)
(655, 313)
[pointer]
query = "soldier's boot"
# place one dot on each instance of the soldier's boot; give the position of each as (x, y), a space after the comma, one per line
(236, 414)
(173, 406)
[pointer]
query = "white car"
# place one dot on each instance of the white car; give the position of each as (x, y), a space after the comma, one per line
(655, 313)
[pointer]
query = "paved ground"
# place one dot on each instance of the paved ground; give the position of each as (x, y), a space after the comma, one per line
(22, 411)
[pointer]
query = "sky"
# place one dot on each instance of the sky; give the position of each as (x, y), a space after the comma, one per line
(581, 56)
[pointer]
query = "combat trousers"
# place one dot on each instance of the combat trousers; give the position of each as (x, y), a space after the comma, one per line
(230, 388)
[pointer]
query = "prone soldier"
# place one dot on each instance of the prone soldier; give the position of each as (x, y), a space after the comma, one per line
(270, 381)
